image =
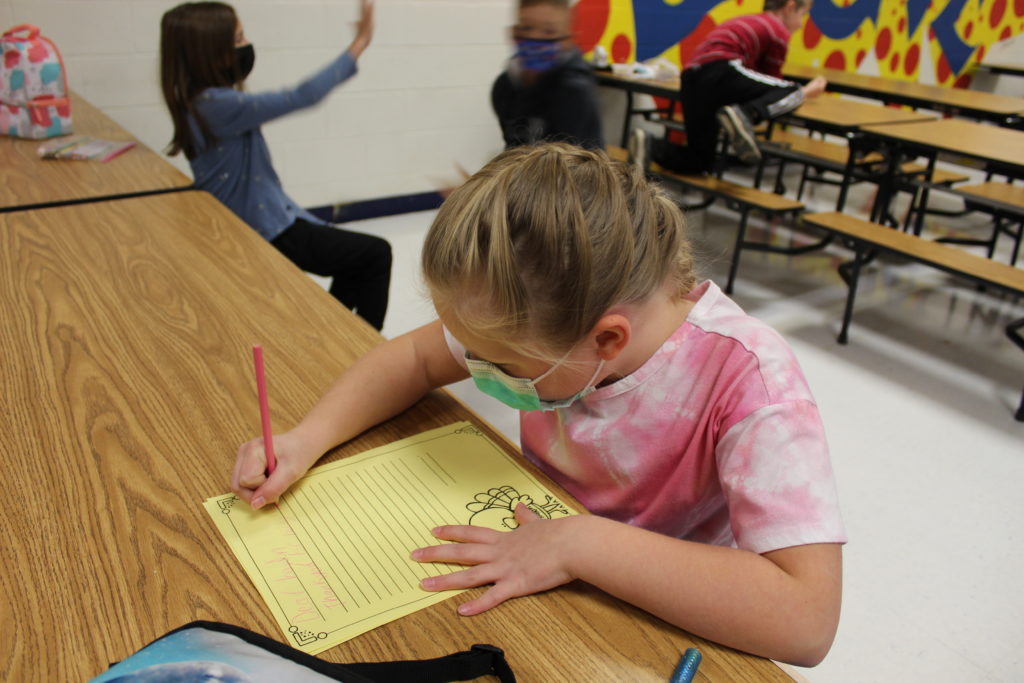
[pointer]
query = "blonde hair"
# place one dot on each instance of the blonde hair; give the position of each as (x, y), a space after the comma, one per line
(543, 240)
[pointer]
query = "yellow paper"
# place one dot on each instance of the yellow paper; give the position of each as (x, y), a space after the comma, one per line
(331, 560)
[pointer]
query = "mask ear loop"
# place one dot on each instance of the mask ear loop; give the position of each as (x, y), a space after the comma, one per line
(590, 382)
(551, 369)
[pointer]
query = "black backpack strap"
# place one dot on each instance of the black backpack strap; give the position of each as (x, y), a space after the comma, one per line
(480, 660)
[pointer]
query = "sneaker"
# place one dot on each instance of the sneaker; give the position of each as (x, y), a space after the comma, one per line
(639, 149)
(740, 132)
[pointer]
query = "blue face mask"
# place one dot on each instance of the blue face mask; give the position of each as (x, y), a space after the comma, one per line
(518, 392)
(538, 55)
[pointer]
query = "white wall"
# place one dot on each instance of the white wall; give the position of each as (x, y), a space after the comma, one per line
(419, 104)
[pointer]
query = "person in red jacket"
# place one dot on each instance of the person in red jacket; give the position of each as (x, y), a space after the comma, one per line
(733, 81)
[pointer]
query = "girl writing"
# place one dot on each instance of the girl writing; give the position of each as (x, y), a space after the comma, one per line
(204, 61)
(564, 286)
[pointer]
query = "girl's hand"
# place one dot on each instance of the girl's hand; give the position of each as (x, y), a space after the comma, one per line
(364, 29)
(249, 480)
(526, 560)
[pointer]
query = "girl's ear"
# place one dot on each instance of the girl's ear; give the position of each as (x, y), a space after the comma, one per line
(611, 335)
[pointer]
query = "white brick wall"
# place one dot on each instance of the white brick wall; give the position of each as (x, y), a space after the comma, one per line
(419, 105)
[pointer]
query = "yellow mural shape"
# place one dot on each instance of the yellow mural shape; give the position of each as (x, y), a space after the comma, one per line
(881, 45)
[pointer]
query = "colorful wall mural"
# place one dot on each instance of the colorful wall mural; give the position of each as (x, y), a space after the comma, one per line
(931, 41)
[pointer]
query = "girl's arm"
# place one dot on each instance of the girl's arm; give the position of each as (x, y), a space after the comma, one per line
(229, 112)
(381, 384)
(783, 604)
(364, 29)
(776, 478)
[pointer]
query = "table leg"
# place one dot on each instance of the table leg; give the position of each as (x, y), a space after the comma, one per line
(887, 187)
(852, 277)
(628, 119)
(923, 203)
(735, 265)
(844, 186)
(1013, 331)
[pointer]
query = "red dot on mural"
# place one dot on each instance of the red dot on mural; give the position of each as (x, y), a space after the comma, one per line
(861, 54)
(1005, 34)
(913, 54)
(998, 10)
(812, 34)
(968, 29)
(883, 43)
(589, 20)
(963, 82)
(942, 70)
(894, 63)
(621, 47)
(1018, 7)
(902, 25)
(931, 33)
(836, 60)
(981, 53)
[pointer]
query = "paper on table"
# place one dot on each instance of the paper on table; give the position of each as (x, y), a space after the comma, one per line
(331, 560)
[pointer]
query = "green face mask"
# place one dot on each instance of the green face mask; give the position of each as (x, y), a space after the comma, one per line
(519, 392)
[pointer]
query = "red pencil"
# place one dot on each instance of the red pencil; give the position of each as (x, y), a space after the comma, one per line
(261, 389)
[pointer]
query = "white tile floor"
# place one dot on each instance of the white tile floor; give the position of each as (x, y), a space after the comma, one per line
(919, 410)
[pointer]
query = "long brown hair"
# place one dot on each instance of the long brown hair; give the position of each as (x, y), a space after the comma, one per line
(197, 51)
(543, 240)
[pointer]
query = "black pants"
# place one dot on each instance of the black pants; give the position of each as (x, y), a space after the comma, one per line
(703, 92)
(359, 265)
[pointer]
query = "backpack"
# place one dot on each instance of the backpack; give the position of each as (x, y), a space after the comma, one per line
(212, 651)
(34, 96)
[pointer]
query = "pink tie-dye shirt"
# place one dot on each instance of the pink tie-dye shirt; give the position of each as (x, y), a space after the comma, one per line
(715, 439)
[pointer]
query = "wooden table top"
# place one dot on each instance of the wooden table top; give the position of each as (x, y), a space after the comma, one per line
(127, 388)
(1002, 67)
(837, 112)
(970, 102)
(848, 114)
(652, 86)
(28, 181)
(988, 143)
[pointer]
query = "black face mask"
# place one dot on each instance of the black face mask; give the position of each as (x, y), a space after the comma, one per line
(245, 57)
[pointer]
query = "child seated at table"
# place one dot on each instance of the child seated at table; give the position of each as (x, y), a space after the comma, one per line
(204, 61)
(565, 288)
(547, 92)
(733, 81)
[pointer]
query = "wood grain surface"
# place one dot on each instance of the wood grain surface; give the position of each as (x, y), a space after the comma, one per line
(934, 253)
(980, 141)
(922, 93)
(127, 386)
(845, 113)
(27, 180)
